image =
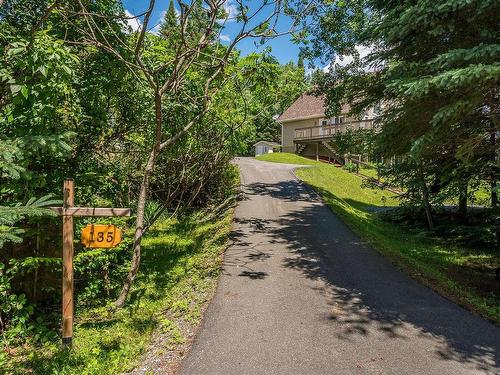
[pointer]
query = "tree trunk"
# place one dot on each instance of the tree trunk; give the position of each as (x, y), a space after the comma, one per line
(141, 206)
(494, 193)
(425, 199)
(462, 201)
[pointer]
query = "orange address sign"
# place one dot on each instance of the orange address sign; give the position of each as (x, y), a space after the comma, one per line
(101, 236)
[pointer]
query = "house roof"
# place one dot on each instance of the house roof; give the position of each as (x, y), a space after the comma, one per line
(272, 144)
(306, 106)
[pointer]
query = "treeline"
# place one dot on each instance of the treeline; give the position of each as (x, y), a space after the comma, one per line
(433, 70)
(143, 117)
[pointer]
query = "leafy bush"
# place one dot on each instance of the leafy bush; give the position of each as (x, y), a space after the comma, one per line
(350, 167)
(100, 272)
(479, 232)
(16, 323)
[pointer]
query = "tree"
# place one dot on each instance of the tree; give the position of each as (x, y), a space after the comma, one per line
(197, 53)
(170, 24)
(36, 121)
(268, 89)
(300, 62)
(434, 67)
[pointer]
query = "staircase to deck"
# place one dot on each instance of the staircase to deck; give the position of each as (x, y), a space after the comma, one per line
(339, 159)
(301, 147)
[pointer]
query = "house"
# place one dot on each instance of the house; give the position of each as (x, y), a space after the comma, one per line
(265, 147)
(306, 130)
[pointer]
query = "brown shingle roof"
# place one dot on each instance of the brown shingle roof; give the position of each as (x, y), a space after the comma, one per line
(306, 106)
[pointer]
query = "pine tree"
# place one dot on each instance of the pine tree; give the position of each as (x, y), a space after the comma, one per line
(169, 26)
(435, 67)
(300, 62)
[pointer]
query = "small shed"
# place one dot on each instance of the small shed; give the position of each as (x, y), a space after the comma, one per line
(265, 147)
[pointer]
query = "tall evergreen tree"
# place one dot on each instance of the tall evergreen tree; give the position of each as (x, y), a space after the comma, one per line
(300, 62)
(435, 67)
(169, 25)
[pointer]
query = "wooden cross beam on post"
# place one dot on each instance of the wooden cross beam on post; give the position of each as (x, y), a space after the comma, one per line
(68, 211)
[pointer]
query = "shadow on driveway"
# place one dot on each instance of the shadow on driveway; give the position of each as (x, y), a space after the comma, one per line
(366, 293)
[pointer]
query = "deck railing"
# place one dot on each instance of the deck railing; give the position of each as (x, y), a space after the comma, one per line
(328, 131)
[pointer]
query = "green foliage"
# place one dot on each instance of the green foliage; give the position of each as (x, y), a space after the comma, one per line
(264, 89)
(356, 142)
(10, 216)
(350, 167)
(14, 309)
(433, 68)
(479, 232)
(37, 110)
(16, 323)
(182, 257)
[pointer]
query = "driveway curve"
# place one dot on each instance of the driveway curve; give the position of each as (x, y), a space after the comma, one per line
(300, 293)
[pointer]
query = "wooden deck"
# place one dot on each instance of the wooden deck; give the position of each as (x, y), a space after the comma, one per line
(319, 133)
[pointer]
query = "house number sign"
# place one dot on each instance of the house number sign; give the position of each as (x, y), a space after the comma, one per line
(102, 236)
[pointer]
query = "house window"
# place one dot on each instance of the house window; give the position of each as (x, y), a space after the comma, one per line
(337, 120)
(324, 122)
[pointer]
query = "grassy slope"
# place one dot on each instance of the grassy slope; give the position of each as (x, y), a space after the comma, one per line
(369, 172)
(283, 157)
(455, 272)
(180, 265)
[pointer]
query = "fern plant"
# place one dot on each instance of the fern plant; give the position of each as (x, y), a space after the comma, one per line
(10, 216)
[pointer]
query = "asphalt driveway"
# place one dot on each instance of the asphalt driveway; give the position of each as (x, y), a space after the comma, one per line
(302, 294)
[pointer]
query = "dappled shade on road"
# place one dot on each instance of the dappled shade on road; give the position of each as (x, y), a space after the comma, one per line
(300, 292)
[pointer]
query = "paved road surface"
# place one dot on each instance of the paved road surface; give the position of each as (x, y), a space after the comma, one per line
(301, 294)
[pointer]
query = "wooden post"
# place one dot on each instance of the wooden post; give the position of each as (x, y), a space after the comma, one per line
(67, 211)
(67, 257)
(317, 151)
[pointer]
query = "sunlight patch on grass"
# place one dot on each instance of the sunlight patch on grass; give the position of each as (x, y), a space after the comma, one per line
(286, 158)
(180, 264)
(347, 187)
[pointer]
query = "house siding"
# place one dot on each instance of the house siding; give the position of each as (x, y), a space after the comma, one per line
(288, 131)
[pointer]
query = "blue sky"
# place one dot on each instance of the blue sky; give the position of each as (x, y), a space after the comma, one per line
(282, 47)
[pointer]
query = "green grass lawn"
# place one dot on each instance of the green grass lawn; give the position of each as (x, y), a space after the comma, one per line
(369, 172)
(462, 274)
(180, 264)
(286, 158)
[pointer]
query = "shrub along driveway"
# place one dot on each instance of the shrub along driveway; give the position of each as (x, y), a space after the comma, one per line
(301, 294)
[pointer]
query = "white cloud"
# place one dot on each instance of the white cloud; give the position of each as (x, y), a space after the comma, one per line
(134, 23)
(309, 71)
(162, 16)
(231, 10)
(363, 51)
(156, 29)
(224, 37)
